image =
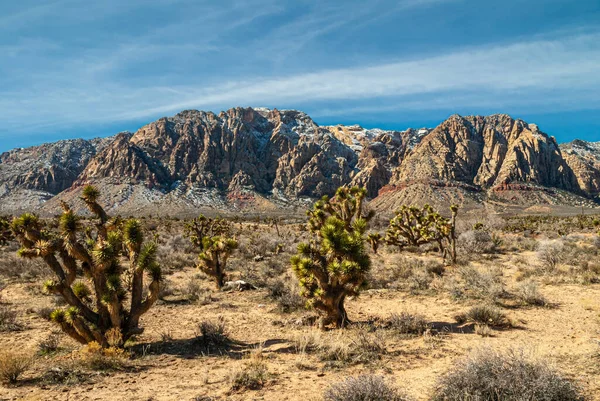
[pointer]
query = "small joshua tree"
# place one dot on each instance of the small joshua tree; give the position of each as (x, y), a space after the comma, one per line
(413, 226)
(203, 226)
(98, 311)
(374, 239)
(213, 259)
(212, 236)
(5, 232)
(334, 263)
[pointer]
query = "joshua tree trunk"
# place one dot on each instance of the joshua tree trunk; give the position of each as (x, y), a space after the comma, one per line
(335, 312)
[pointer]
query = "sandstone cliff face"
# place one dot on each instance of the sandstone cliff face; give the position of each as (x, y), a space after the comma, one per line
(584, 160)
(487, 152)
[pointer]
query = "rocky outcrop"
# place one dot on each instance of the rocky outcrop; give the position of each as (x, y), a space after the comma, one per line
(487, 152)
(583, 158)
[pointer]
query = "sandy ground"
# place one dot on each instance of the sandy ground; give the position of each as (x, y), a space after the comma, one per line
(566, 334)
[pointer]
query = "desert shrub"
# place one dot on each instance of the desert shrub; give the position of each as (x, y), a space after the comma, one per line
(549, 253)
(504, 376)
(13, 365)
(253, 375)
(420, 279)
(192, 290)
(486, 284)
(49, 345)
(8, 319)
(287, 296)
(476, 242)
(363, 388)
(334, 264)
(484, 314)
(407, 323)
(213, 334)
(528, 293)
(11, 266)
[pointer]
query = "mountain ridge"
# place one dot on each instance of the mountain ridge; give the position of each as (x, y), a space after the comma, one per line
(270, 159)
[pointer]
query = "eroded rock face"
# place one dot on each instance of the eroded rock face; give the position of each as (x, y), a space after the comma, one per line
(583, 158)
(488, 152)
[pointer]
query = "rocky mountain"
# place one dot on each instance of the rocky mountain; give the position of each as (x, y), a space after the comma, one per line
(30, 176)
(263, 159)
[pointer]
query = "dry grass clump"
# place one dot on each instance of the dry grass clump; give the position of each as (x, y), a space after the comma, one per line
(364, 388)
(407, 273)
(13, 365)
(8, 319)
(528, 293)
(253, 375)
(480, 284)
(352, 347)
(504, 376)
(93, 356)
(484, 314)
(407, 323)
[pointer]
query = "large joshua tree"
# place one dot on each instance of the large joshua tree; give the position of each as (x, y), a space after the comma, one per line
(107, 300)
(334, 264)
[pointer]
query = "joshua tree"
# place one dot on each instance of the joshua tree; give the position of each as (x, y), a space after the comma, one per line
(212, 236)
(413, 226)
(213, 259)
(334, 263)
(203, 226)
(100, 313)
(5, 232)
(374, 240)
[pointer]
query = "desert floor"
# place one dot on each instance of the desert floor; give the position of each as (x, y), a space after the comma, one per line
(168, 363)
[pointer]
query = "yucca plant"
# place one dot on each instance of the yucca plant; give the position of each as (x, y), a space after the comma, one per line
(334, 264)
(102, 307)
(5, 232)
(375, 240)
(203, 226)
(414, 226)
(213, 258)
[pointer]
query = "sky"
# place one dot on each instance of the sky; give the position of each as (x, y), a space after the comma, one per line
(73, 68)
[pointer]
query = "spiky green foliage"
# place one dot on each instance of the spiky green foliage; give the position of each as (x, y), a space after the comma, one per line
(5, 232)
(213, 258)
(375, 240)
(414, 226)
(88, 271)
(334, 263)
(203, 226)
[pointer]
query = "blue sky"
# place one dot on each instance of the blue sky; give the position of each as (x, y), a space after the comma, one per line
(71, 68)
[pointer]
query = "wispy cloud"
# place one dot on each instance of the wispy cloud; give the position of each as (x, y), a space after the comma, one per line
(490, 74)
(221, 58)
